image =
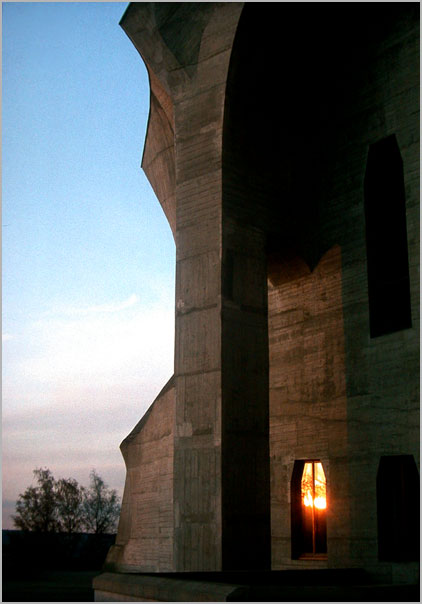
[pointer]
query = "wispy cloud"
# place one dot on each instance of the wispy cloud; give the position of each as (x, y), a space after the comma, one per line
(109, 307)
(6, 337)
(106, 349)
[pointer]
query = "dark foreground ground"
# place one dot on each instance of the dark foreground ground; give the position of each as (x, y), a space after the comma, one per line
(382, 593)
(50, 586)
(76, 586)
(51, 567)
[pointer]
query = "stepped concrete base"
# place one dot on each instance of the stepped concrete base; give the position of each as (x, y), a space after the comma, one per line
(340, 585)
(119, 587)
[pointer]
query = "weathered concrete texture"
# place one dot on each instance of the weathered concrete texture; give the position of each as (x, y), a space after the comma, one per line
(336, 394)
(257, 146)
(200, 462)
(297, 586)
(308, 406)
(213, 316)
(113, 587)
(382, 383)
(145, 533)
(158, 160)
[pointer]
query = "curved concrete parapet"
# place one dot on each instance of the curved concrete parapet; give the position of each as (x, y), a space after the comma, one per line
(158, 161)
(145, 535)
(179, 47)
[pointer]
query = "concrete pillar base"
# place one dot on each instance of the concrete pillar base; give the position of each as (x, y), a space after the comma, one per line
(329, 585)
(119, 587)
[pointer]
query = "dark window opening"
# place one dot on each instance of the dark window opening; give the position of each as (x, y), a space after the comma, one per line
(308, 510)
(386, 239)
(398, 509)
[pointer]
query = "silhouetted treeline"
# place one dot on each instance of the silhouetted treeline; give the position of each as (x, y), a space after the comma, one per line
(63, 506)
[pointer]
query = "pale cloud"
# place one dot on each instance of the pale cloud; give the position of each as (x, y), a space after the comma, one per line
(6, 337)
(108, 349)
(112, 307)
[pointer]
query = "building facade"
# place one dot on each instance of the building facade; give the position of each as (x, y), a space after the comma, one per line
(283, 146)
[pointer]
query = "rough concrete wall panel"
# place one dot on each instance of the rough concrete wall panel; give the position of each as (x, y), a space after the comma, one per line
(197, 350)
(197, 515)
(191, 276)
(145, 536)
(383, 394)
(335, 394)
(193, 420)
(307, 394)
(200, 201)
(197, 522)
(381, 413)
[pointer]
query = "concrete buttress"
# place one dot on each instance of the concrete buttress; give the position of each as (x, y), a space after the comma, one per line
(221, 457)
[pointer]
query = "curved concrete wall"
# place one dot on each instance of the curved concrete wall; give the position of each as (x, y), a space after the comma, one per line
(145, 535)
(257, 145)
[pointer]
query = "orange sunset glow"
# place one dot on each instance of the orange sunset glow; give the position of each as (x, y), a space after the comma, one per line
(314, 486)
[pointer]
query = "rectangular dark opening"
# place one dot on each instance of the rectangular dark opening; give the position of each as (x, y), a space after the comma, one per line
(386, 239)
(398, 508)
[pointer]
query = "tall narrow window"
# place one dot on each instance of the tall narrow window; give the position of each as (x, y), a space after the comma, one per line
(398, 508)
(309, 504)
(386, 239)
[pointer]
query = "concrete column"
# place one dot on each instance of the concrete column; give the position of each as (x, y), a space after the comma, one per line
(221, 460)
(245, 399)
(198, 343)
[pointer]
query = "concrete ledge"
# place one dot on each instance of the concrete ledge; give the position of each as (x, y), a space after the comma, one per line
(341, 585)
(118, 587)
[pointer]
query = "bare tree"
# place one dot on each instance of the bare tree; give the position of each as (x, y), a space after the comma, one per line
(36, 508)
(64, 506)
(69, 504)
(101, 506)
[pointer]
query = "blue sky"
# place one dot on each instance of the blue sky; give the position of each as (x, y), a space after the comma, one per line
(88, 256)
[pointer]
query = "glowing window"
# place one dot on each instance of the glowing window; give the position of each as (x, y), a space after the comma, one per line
(309, 505)
(314, 486)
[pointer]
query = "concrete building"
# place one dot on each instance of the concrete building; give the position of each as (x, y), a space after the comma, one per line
(283, 146)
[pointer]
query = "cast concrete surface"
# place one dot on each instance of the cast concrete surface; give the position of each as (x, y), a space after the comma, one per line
(261, 121)
(277, 586)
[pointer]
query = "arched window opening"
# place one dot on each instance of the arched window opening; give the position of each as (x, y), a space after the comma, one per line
(308, 510)
(398, 508)
(386, 239)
